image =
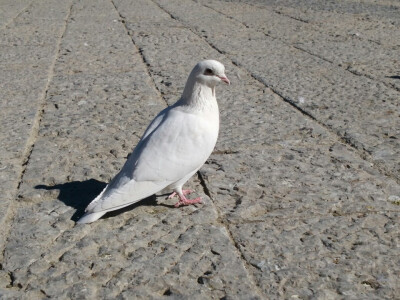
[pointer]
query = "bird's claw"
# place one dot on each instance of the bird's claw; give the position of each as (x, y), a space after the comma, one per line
(185, 201)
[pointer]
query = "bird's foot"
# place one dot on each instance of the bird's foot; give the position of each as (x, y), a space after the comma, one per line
(184, 192)
(184, 201)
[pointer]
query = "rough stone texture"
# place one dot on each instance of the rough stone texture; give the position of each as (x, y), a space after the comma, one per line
(301, 195)
(28, 46)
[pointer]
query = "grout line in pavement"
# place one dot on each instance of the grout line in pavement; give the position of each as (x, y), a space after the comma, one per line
(285, 15)
(34, 132)
(203, 183)
(140, 51)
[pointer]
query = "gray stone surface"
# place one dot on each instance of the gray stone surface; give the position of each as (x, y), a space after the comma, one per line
(29, 44)
(301, 195)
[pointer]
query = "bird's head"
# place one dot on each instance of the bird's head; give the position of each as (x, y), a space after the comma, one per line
(209, 72)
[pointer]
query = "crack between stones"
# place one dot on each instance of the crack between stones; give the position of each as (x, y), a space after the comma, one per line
(224, 152)
(12, 281)
(34, 133)
(354, 72)
(288, 16)
(389, 85)
(140, 51)
(203, 184)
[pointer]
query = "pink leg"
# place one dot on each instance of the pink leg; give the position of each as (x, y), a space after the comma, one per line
(184, 201)
(184, 192)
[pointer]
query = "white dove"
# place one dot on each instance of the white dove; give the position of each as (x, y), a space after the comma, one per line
(174, 146)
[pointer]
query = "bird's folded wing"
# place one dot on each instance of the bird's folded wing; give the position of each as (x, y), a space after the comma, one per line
(127, 194)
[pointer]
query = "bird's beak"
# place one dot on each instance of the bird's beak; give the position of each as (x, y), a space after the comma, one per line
(224, 79)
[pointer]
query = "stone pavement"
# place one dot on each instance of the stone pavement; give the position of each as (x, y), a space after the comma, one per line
(302, 193)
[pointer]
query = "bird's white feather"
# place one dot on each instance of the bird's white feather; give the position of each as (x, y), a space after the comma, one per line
(174, 146)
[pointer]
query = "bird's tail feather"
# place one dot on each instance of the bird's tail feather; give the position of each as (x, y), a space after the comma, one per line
(90, 217)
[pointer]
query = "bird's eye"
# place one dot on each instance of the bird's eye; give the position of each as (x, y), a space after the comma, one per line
(208, 72)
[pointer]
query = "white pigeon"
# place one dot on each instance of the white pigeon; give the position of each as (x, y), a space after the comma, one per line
(174, 146)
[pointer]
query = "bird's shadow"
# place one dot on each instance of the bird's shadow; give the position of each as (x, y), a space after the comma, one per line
(78, 194)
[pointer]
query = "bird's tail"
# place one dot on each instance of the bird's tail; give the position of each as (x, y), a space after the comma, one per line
(90, 217)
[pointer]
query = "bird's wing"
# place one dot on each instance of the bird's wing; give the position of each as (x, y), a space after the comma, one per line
(180, 144)
(175, 144)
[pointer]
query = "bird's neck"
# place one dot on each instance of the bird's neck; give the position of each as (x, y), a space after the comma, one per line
(198, 95)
